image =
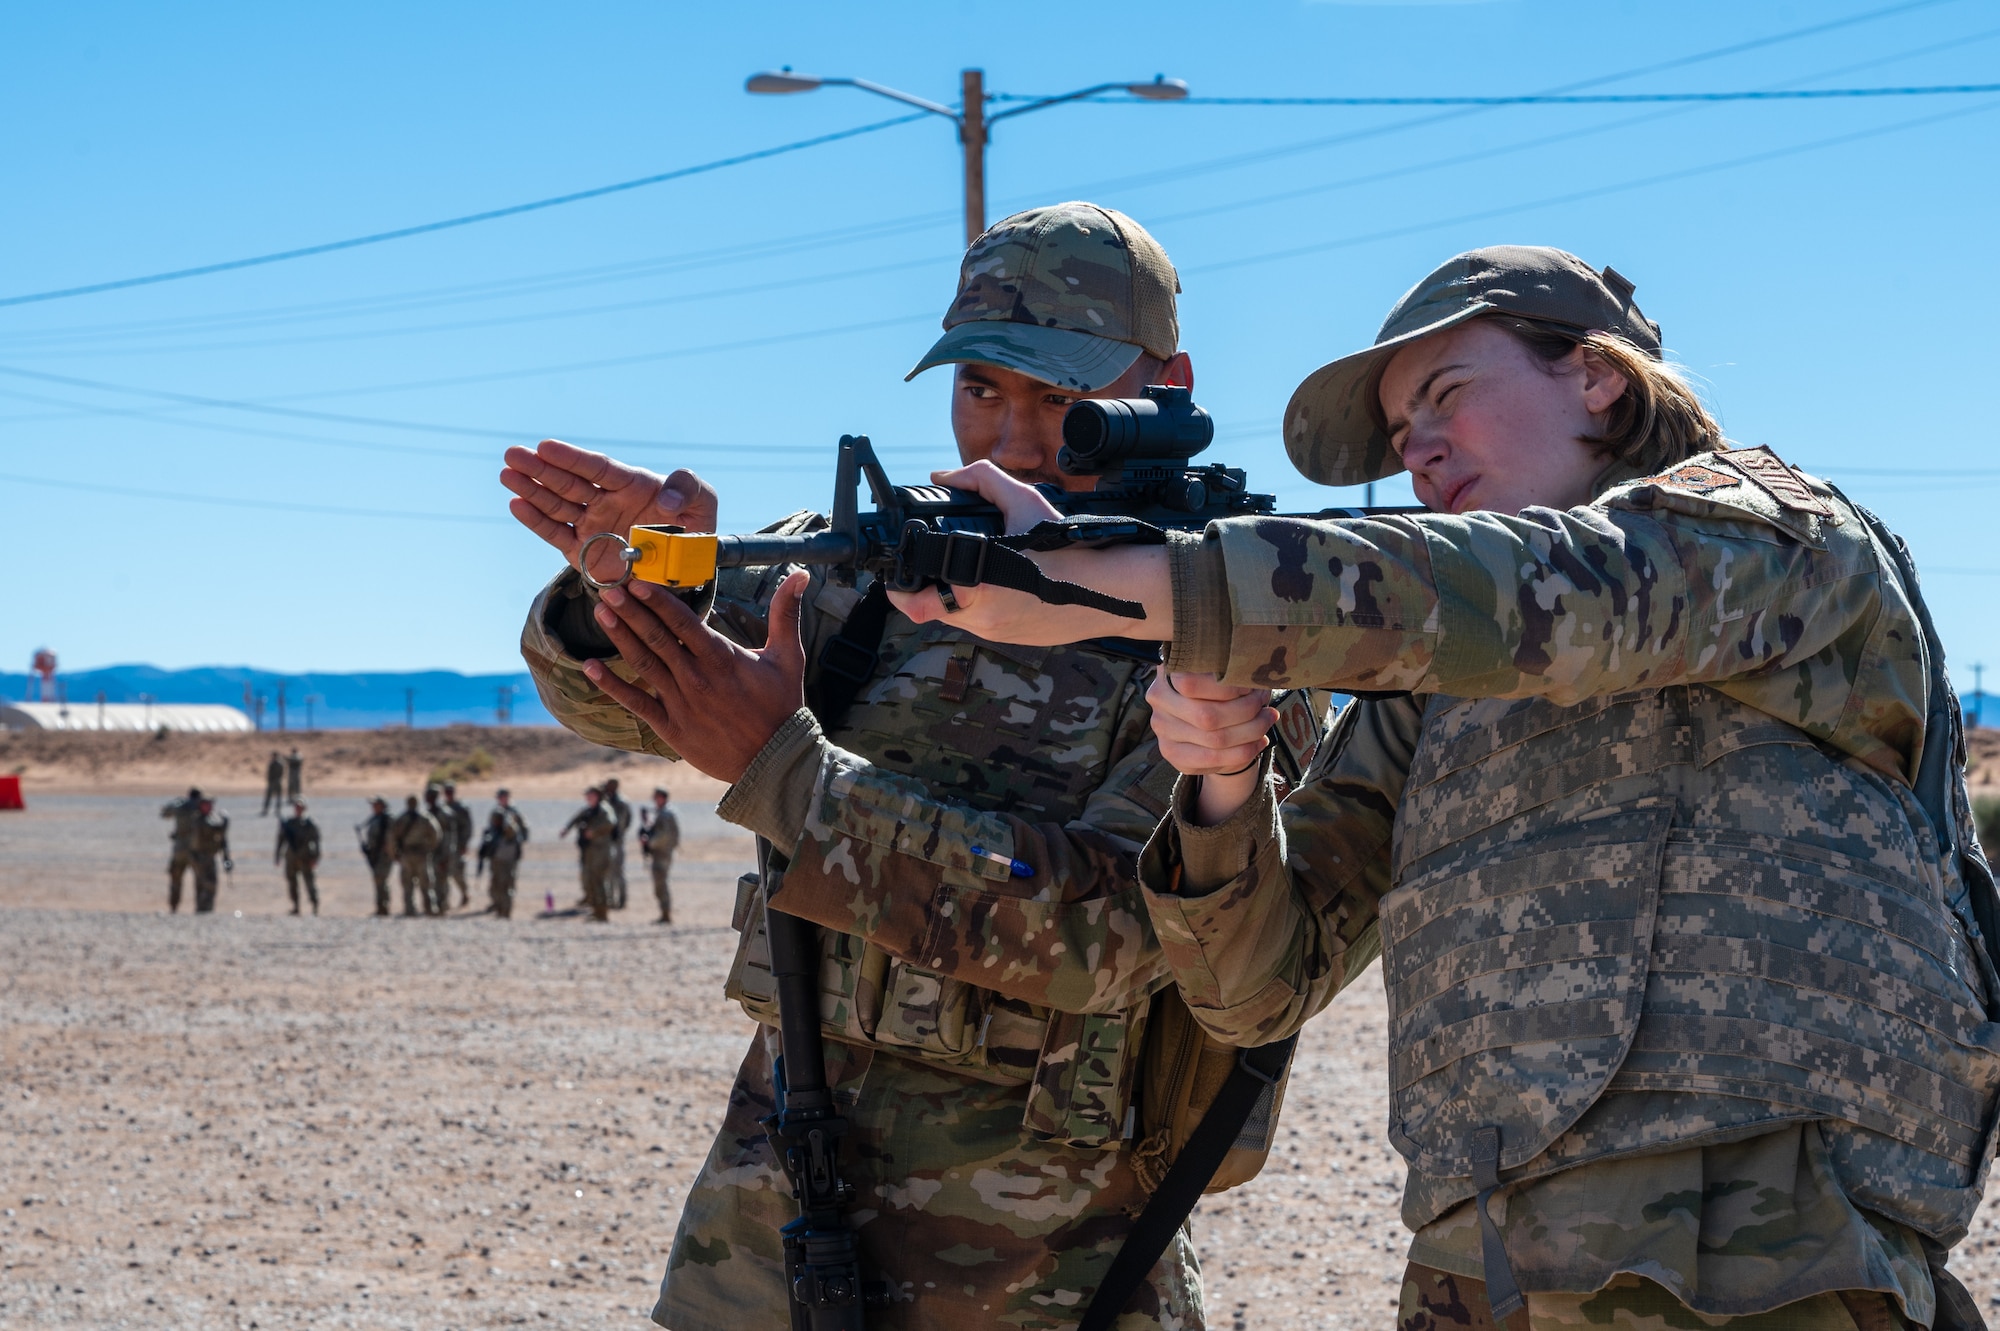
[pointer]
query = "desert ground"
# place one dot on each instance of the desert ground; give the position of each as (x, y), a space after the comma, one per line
(249, 1120)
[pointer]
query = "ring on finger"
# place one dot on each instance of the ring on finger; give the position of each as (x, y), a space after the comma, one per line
(950, 602)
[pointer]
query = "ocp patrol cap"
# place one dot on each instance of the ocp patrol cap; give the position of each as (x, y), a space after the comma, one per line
(1333, 430)
(1069, 294)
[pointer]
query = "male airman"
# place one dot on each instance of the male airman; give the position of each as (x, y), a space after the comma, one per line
(501, 848)
(274, 785)
(374, 834)
(210, 841)
(185, 811)
(595, 830)
(659, 837)
(505, 800)
(963, 831)
(459, 827)
(297, 849)
(413, 840)
(621, 818)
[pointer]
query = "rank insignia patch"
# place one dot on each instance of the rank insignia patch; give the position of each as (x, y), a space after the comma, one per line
(1696, 479)
(1778, 480)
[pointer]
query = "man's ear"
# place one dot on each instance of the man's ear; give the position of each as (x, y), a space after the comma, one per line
(1179, 372)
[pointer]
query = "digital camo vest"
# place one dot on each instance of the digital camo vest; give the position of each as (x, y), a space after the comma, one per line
(962, 716)
(1662, 918)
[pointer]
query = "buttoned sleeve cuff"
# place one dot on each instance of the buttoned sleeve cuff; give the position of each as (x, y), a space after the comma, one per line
(1202, 617)
(772, 796)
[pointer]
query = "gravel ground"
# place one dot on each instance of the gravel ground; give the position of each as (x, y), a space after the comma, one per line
(348, 1122)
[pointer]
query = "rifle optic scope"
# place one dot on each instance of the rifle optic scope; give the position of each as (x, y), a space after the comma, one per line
(1103, 434)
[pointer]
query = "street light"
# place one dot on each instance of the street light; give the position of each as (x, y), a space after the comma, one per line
(971, 118)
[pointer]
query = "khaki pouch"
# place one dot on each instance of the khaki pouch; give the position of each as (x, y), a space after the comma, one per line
(1183, 1069)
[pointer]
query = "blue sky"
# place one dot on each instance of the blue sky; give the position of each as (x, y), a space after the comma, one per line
(1821, 265)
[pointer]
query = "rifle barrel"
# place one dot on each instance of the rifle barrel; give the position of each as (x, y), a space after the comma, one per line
(757, 551)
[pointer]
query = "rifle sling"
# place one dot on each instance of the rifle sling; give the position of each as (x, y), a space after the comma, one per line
(968, 559)
(847, 661)
(1256, 1071)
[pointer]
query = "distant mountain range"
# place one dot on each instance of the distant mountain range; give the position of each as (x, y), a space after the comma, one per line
(340, 702)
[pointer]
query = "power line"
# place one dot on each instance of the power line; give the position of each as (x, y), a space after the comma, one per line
(491, 214)
(1578, 196)
(621, 270)
(1180, 173)
(495, 321)
(266, 504)
(1582, 99)
(341, 418)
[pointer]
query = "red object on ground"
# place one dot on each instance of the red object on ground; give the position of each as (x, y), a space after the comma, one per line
(10, 793)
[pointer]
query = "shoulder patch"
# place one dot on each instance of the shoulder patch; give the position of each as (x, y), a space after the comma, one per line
(1695, 478)
(1776, 478)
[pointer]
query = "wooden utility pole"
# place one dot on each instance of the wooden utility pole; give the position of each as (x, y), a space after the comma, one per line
(972, 132)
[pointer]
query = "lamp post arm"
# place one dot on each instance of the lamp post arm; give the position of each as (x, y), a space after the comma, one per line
(1076, 96)
(921, 103)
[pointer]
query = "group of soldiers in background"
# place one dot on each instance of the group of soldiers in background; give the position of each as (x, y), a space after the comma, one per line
(600, 827)
(284, 781)
(428, 842)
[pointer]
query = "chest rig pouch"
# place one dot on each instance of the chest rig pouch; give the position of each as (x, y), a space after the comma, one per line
(1000, 727)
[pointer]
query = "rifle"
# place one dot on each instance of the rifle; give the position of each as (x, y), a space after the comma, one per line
(1140, 449)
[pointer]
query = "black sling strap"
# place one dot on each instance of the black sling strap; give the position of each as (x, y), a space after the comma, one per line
(968, 559)
(847, 661)
(1256, 1072)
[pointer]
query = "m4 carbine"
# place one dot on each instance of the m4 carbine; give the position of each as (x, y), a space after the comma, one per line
(918, 536)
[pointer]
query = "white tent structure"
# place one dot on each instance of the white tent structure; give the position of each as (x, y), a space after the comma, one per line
(200, 718)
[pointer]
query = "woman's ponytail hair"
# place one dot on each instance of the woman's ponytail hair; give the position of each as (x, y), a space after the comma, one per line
(1658, 422)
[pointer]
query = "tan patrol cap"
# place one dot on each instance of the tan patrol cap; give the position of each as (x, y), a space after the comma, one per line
(1069, 294)
(1331, 427)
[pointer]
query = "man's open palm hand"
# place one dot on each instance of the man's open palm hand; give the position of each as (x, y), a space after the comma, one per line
(567, 494)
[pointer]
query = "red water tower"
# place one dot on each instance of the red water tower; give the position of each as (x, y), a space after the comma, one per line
(44, 665)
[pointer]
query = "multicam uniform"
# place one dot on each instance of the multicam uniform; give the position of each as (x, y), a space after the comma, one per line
(1654, 898)
(455, 820)
(375, 849)
(983, 1026)
(208, 841)
(659, 838)
(595, 827)
(298, 849)
(500, 851)
(413, 841)
(621, 820)
(185, 812)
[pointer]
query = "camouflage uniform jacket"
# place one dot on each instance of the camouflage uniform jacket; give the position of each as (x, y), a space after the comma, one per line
(659, 832)
(1651, 888)
(185, 813)
(210, 836)
(595, 826)
(375, 839)
(413, 833)
(456, 820)
(500, 844)
(298, 842)
(989, 963)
